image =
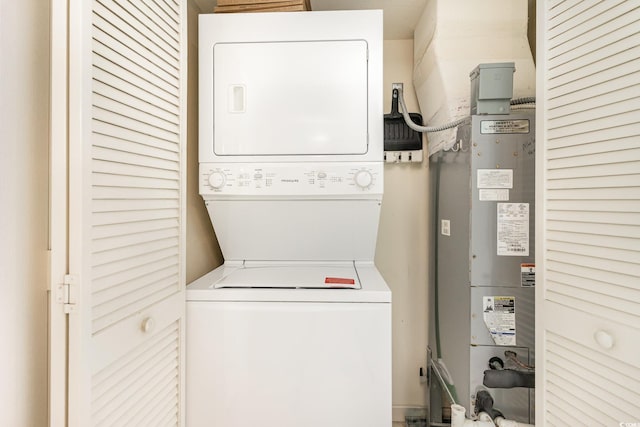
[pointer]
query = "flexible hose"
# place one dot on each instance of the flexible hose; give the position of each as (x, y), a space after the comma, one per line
(430, 129)
(526, 100)
(419, 128)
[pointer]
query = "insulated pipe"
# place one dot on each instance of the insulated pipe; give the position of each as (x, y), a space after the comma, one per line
(508, 378)
(483, 416)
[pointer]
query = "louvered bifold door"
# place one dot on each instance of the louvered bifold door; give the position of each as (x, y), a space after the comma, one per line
(127, 62)
(588, 200)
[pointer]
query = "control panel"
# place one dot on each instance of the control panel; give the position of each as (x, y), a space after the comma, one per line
(281, 179)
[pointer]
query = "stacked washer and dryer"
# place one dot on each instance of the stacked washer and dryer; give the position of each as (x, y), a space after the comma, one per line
(295, 327)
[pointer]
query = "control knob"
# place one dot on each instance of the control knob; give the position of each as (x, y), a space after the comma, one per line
(217, 179)
(363, 178)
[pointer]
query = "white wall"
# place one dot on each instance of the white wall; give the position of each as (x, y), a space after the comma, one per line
(24, 85)
(401, 254)
(203, 252)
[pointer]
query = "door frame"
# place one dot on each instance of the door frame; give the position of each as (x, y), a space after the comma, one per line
(58, 214)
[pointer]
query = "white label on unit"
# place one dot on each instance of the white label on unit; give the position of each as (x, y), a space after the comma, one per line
(445, 227)
(495, 178)
(499, 314)
(513, 229)
(493, 194)
(504, 126)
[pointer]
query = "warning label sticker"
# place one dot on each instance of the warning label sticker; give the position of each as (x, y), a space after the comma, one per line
(499, 314)
(339, 281)
(528, 273)
(513, 229)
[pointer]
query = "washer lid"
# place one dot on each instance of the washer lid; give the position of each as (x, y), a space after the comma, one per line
(371, 286)
(292, 276)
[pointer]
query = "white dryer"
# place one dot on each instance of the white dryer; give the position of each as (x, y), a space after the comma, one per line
(295, 327)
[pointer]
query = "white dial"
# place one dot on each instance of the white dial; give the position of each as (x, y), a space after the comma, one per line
(363, 178)
(217, 179)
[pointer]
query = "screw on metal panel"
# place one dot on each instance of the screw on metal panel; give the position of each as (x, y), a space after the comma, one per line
(497, 166)
(497, 141)
(515, 154)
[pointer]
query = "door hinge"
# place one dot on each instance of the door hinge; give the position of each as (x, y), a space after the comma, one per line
(66, 294)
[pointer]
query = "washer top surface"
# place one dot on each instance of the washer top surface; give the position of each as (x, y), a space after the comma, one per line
(295, 281)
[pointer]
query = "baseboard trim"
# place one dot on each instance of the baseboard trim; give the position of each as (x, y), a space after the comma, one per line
(398, 411)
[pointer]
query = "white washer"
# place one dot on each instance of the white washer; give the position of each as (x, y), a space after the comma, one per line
(311, 357)
(295, 328)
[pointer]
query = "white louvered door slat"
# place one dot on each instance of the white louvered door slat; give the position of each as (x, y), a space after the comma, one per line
(127, 92)
(588, 213)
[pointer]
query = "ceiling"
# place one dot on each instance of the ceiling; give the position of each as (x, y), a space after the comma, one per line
(400, 16)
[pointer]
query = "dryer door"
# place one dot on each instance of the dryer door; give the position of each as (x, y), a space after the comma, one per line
(290, 98)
